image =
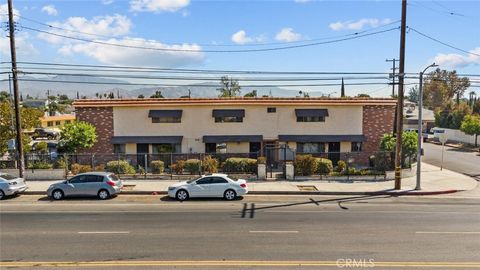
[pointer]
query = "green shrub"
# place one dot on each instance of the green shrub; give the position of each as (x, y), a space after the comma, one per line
(120, 167)
(60, 163)
(193, 165)
(305, 165)
(40, 165)
(210, 164)
(157, 166)
(79, 168)
(341, 166)
(99, 168)
(324, 166)
(234, 164)
(178, 167)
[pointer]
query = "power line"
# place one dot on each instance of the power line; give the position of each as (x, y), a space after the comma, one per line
(210, 51)
(443, 43)
(209, 45)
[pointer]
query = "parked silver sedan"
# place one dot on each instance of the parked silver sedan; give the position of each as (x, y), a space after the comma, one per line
(100, 184)
(11, 185)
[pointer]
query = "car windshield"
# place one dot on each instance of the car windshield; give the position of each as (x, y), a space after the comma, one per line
(7, 176)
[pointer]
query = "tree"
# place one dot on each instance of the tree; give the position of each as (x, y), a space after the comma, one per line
(476, 107)
(141, 96)
(409, 145)
(41, 147)
(30, 119)
(452, 116)
(251, 94)
(441, 86)
(342, 90)
(471, 126)
(4, 96)
(158, 94)
(363, 95)
(229, 87)
(77, 136)
(413, 94)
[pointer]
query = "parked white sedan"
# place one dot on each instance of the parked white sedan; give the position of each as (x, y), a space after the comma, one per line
(213, 185)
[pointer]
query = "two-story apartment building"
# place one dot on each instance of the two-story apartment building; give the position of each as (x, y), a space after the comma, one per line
(237, 125)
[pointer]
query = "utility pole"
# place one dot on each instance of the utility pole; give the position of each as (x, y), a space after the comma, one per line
(394, 61)
(16, 94)
(401, 75)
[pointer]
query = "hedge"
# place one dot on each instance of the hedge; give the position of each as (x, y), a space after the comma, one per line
(157, 166)
(234, 164)
(305, 165)
(120, 167)
(210, 164)
(193, 165)
(324, 166)
(79, 168)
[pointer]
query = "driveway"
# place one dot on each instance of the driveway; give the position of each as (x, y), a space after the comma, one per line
(455, 159)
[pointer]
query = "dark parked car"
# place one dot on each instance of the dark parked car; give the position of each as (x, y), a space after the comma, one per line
(45, 133)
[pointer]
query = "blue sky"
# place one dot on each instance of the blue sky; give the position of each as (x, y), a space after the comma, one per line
(251, 24)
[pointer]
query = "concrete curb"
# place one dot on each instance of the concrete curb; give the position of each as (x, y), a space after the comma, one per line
(368, 193)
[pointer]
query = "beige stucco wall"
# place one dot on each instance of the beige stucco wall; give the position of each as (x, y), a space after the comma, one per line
(131, 148)
(345, 146)
(197, 121)
(238, 147)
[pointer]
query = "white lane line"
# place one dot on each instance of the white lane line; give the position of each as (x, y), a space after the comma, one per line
(447, 232)
(122, 232)
(273, 231)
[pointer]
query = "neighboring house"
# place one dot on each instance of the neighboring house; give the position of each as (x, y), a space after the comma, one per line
(237, 125)
(35, 103)
(56, 121)
(410, 120)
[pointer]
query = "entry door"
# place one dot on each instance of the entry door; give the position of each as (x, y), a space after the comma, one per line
(334, 152)
(270, 151)
(142, 149)
(254, 150)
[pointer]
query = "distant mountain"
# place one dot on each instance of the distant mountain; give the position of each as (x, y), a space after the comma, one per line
(90, 86)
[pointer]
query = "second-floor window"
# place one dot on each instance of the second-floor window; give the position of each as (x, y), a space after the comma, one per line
(228, 119)
(310, 118)
(166, 120)
(356, 147)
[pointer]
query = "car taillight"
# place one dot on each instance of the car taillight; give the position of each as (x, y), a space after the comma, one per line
(111, 183)
(243, 185)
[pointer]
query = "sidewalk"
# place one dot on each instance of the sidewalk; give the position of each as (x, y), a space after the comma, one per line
(434, 181)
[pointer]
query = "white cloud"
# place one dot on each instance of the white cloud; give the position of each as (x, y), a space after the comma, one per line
(288, 35)
(158, 5)
(4, 12)
(50, 10)
(139, 57)
(115, 25)
(454, 60)
(107, 2)
(23, 45)
(358, 25)
(241, 37)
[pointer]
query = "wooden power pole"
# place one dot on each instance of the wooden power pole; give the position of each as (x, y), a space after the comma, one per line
(16, 94)
(401, 76)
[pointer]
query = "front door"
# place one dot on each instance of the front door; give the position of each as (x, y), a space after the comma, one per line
(254, 149)
(334, 152)
(142, 149)
(270, 151)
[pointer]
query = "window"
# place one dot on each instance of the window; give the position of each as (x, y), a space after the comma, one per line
(220, 148)
(228, 119)
(79, 179)
(67, 121)
(94, 178)
(271, 110)
(356, 146)
(50, 123)
(57, 123)
(218, 180)
(312, 147)
(119, 148)
(165, 148)
(204, 181)
(166, 119)
(310, 118)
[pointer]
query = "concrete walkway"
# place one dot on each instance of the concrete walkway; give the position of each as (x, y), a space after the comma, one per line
(434, 181)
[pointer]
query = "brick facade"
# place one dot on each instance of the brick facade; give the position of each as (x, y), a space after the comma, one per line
(377, 120)
(102, 119)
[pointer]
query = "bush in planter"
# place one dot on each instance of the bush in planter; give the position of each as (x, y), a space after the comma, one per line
(79, 168)
(240, 165)
(305, 165)
(341, 166)
(157, 166)
(324, 166)
(210, 164)
(40, 165)
(60, 163)
(193, 165)
(99, 168)
(120, 167)
(262, 160)
(178, 167)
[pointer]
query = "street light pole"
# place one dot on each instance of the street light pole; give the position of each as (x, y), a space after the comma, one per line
(420, 127)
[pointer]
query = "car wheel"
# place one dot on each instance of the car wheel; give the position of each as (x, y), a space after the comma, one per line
(229, 195)
(182, 195)
(57, 194)
(103, 194)
(2, 195)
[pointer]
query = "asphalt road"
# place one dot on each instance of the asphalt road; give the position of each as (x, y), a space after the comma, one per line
(454, 159)
(302, 232)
